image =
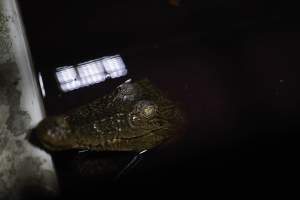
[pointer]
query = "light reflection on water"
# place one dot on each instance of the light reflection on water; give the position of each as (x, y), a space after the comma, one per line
(90, 73)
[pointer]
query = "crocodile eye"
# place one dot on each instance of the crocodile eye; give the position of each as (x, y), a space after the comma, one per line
(126, 89)
(146, 109)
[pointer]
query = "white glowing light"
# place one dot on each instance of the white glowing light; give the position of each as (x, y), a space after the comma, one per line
(117, 74)
(42, 84)
(66, 74)
(89, 73)
(114, 64)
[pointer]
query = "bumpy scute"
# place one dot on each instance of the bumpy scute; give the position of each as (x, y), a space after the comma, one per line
(134, 117)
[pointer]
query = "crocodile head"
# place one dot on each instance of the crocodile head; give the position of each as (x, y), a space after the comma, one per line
(134, 117)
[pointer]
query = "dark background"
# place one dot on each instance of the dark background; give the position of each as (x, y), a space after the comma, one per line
(233, 64)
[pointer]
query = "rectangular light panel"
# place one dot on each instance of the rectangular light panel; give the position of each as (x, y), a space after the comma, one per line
(89, 73)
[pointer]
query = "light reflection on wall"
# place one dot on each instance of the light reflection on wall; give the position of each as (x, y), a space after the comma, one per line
(89, 73)
(42, 84)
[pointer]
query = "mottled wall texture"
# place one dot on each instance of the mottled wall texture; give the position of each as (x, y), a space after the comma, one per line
(24, 170)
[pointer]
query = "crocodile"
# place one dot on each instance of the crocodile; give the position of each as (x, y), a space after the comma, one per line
(135, 116)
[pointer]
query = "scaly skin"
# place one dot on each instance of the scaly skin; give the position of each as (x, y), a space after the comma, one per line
(134, 117)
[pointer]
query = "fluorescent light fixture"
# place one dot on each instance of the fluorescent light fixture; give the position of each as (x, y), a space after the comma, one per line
(90, 73)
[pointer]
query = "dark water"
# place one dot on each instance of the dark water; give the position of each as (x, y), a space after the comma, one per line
(233, 65)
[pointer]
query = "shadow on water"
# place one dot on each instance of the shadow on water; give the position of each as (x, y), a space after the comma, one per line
(83, 172)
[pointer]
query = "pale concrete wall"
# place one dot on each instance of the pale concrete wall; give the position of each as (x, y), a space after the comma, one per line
(22, 166)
